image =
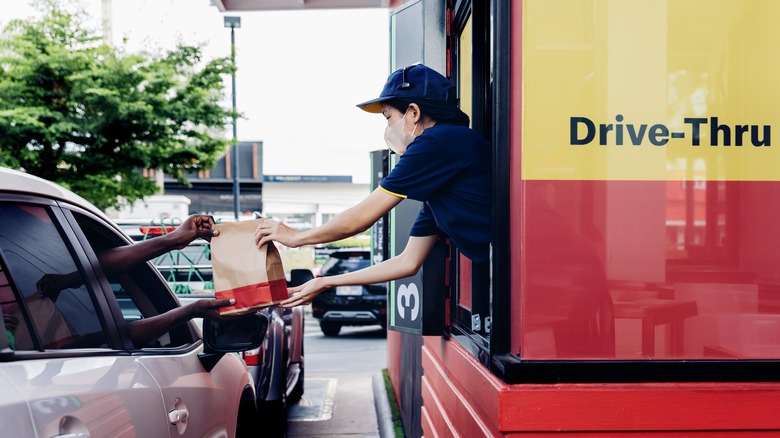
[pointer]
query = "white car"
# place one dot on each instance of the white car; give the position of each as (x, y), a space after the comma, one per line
(277, 367)
(68, 365)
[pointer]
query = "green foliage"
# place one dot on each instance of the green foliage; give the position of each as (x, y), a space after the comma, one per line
(350, 242)
(88, 116)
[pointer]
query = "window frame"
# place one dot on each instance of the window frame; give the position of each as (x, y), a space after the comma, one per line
(31, 332)
(80, 259)
(97, 284)
(164, 301)
(477, 14)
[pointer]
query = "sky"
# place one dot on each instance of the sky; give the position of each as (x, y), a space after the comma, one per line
(300, 74)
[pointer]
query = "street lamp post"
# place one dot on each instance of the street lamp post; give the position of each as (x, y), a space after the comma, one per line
(233, 23)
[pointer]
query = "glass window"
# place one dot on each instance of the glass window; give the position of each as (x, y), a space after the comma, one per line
(187, 269)
(51, 288)
(659, 246)
(341, 263)
(465, 91)
(139, 291)
(471, 301)
(16, 330)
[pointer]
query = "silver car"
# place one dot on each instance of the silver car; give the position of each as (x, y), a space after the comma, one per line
(68, 365)
(277, 366)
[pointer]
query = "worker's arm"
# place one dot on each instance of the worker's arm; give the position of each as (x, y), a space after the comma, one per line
(346, 224)
(403, 265)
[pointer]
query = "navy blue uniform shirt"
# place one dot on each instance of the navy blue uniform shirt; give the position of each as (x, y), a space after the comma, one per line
(448, 168)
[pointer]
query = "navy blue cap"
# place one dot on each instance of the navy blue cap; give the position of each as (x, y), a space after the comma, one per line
(416, 82)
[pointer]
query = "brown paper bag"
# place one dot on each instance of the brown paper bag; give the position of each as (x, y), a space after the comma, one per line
(254, 277)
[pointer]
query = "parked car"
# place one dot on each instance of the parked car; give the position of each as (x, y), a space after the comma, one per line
(349, 305)
(68, 366)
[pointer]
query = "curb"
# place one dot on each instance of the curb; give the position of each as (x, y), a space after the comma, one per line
(384, 415)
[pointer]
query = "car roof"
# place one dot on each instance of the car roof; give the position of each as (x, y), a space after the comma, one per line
(14, 181)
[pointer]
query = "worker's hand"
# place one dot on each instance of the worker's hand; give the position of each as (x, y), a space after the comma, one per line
(305, 293)
(209, 308)
(270, 230)
(197, 225)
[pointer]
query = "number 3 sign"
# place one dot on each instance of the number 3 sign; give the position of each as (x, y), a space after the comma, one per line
(408, 297)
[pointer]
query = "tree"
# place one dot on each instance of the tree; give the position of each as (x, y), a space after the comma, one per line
(90, 116)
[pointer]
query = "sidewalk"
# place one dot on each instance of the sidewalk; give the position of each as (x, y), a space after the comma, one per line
(349, 409)
(344, 393)
(357, 410)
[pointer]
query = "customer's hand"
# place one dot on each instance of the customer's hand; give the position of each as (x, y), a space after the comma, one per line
(197, 225)
(209, 308)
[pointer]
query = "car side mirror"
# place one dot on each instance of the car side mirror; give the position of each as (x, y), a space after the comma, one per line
(299, 277)
(231, 335)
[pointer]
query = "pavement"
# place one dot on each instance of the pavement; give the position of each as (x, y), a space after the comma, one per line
(341, 400)
(363, 409)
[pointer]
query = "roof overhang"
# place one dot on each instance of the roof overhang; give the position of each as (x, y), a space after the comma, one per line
(278, 5)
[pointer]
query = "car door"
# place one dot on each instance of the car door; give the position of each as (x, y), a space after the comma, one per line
(197, 402)
(64, 354)
(15, 420)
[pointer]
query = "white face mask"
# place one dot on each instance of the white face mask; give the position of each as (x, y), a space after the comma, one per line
(395, 137)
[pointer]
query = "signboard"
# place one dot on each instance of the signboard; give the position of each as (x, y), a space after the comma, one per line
(621, 103)
(308, 178)
(417, 304)
(380, 231)
(404, 304)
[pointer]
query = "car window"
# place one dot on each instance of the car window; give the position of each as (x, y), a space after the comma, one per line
(14, 326)
(336, 266)
(140, 293)
(196, 253)
(187, 269)
(52, 296)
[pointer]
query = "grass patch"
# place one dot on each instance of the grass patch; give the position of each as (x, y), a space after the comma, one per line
(398, 427)
(359, 241)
